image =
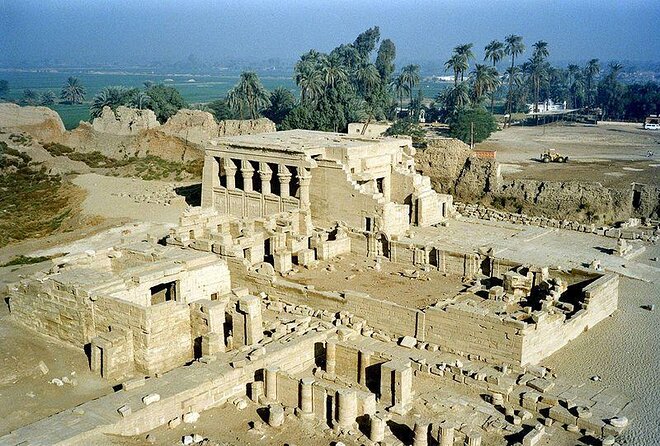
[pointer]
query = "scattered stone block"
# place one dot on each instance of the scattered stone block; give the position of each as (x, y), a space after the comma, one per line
(124, 411)
(191, 417)
(151, 398)
(408, 342)
(43, 368)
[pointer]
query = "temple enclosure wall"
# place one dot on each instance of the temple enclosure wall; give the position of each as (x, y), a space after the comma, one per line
(464, 329)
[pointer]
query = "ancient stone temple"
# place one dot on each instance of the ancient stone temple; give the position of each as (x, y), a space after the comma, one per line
(276, 195)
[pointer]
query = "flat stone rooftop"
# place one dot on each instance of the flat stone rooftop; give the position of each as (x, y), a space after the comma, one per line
(298, 141)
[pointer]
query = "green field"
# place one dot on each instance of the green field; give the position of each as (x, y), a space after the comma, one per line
(195, 88)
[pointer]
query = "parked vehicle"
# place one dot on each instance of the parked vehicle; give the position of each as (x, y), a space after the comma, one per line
(554, 156)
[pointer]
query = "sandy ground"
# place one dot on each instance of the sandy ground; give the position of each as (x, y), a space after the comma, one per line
(131, 198)
(614, 154)
(624, 351)
(356, 273)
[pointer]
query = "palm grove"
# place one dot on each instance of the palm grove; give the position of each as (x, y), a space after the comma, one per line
(356, 82)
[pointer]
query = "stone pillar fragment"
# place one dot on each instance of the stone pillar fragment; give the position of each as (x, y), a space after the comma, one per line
(396, 385)
(250, 308)
(377, 428)
(230, 172)
(271, 383)
(446, 434)
(276, 415)
(306, 397)
(304, 180)
(364, 361)
(346, 408)
(421, 433)
(473, 438)
(330, 356)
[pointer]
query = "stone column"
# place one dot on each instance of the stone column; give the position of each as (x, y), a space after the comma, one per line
(304, 180)
(377, 428)
(421, 433)
(265, 173)
(248, 172)
(284, 176)
(396, 385)
(250, 306)
(330, 356)
(271, 383)
(230, 172)
(446, 434)
(346, 408)
(364, 362)
(256, 390)
(473, 438)
(276, 415)
(306, 399)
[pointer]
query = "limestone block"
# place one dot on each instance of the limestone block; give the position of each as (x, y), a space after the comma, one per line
(151, 398)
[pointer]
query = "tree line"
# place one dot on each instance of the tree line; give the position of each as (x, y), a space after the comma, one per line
(358, 82)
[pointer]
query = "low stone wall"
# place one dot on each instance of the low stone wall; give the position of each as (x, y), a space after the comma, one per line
(548, 335)
(472, 331)
(480, 212)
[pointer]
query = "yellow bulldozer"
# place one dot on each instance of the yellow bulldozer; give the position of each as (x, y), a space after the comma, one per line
(551, 155)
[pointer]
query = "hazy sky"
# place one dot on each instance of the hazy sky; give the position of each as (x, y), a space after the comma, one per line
(130, 31)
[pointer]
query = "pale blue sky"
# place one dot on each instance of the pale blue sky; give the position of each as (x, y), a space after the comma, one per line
(143, 30)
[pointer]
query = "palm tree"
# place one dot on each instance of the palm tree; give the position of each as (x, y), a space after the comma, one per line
(457, 64)
(485, 80)
(514, 77)
(573, 74)
(464, 52)
(30, 96)
(590, 72)
(73, 91)
(367, 78)
(410, 75)
(494, 52)
(455, 98)
(308, 76)
(400, 88)
(333, 72)
(251, 93)
(513, 47)
(111, 97)
(47, 98)
(540, 50)
(537, 71)
(577, 88)
(140, 100)
(235, 103)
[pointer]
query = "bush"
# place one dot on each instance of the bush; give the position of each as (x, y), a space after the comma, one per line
(460, 125)
(57, 149)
